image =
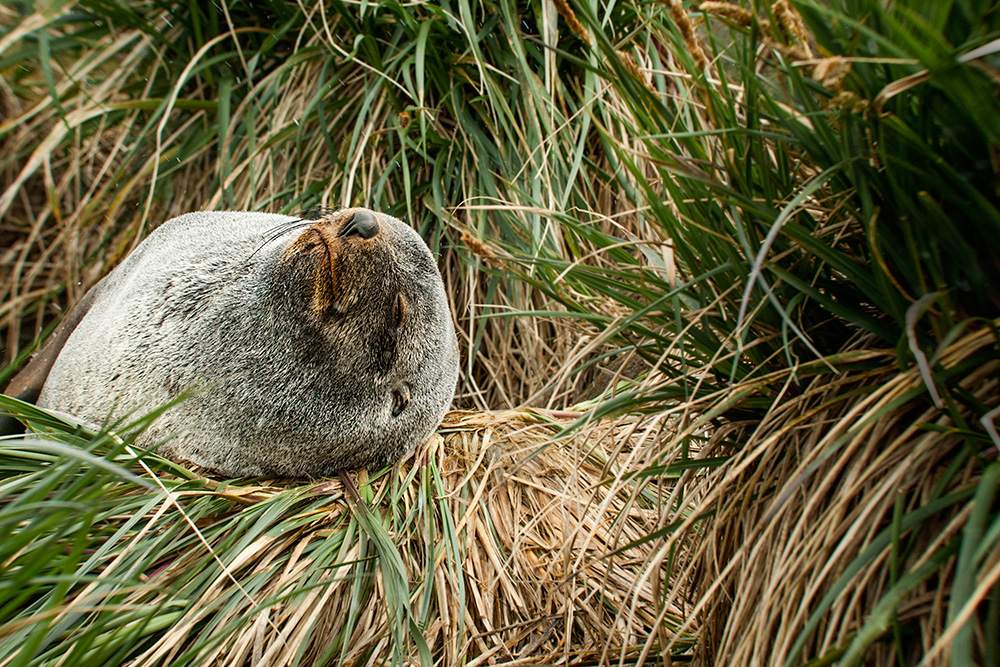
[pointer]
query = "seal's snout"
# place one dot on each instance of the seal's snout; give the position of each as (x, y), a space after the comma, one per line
(362, 223)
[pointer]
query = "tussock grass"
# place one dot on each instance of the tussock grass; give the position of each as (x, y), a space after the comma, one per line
(479, 548)
(852, 487)
(760, 235)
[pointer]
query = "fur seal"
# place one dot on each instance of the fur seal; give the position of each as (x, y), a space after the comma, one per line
(308, 346)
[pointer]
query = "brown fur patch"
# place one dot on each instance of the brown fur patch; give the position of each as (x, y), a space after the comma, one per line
(324, 270)
(329, 292)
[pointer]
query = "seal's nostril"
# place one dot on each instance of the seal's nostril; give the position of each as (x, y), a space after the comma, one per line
(362, 223)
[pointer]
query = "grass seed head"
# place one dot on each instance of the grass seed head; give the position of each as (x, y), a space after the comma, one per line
(572, 20)
(831, 72)
(480, 249)
(688, 32)
(739, 15)
(791, 24)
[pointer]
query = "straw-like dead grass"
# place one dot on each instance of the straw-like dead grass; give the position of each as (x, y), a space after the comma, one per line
(608, 173)
(836, 494)
(510, 554)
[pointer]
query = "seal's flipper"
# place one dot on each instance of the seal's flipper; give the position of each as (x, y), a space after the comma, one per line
(27, 384)
(10, 426)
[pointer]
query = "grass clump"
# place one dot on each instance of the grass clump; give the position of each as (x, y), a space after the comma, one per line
(762, 234)
(458, 555)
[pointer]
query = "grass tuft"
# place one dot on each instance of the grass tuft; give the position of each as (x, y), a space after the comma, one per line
(463, 553)
(746, 250)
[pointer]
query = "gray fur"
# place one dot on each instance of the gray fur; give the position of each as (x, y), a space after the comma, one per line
(218, 304)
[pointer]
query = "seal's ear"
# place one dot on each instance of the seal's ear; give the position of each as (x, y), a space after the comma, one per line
(27, 385)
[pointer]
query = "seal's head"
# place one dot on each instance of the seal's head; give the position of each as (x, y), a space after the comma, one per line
(367, 300)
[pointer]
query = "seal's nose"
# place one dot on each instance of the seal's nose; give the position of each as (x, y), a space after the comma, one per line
(362, 223)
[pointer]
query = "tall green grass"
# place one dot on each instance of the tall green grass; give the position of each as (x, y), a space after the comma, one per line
(434, 562)
(773, 224)
(829, 183)
(103, 566)
(138, 112)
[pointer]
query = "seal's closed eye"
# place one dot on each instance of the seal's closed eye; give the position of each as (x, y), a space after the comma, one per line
(399, 311)
(400, 399)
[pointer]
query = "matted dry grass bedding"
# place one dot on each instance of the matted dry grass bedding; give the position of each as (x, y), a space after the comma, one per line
(491, 544)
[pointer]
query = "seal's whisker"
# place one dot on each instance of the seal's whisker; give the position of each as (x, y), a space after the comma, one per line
(288, 224)
(283, 228)
(279, 231)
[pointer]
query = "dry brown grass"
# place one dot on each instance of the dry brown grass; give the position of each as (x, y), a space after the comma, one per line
(789, 551)
(806, 512)
(539, 578)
